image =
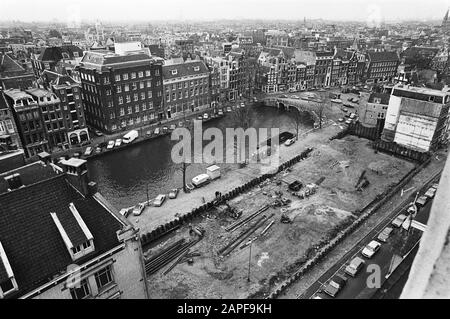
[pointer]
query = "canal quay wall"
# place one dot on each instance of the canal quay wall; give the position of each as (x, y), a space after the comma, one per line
(155, 222)
(168, 227)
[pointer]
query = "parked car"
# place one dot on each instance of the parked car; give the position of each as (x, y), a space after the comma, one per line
(220, 112)
(130, 136)
(149, 133)
(159, 200)
(205, 116)
(110, 145)
(88, 151)
(345, 109)
(289, 142)
(165, 129)
(98, 133)
(190, 187)
(138, 209)
(229, 109)
(348, 121)
(172, 127)
(422, 200)
(283, 96)
(125, 212)
(157, 131)
(295, 97)
(173, 193)
(355, 266)
(118, 142)
(341, 119)
(398, 221)
(242, 104)
(430, 192)
(385, 234)
(371, 249)
(335, 285)
(98, 150)
(200, 118)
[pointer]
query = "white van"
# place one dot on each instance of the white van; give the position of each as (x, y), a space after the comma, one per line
(201, 180)
(130, 136)
(213, 171)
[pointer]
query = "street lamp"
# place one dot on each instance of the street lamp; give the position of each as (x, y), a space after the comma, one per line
(249, 260)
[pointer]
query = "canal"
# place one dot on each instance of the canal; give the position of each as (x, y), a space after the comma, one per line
(125, 176)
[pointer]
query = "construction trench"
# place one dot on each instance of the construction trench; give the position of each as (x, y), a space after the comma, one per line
(247, 245)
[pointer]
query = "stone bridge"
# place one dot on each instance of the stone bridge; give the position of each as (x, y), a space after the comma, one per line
(309, 106)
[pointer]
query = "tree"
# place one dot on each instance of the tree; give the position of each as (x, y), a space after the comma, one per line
(321, 107)
(296, 118)
(54, 34)
(243, 119)
(183, 168)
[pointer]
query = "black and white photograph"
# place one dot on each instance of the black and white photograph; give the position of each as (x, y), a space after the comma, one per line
(224, 156)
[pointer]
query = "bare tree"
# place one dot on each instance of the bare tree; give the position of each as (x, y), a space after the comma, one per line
(295, 116)
(183, 168)
(322, 105)
(243, 119)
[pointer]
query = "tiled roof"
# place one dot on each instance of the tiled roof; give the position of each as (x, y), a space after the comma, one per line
(31, 240)
(384, 98)
(3, 103)
(29, 174)
(100, 60)
(56, 53)
(8, 65)
(184, 69)
(382, 56)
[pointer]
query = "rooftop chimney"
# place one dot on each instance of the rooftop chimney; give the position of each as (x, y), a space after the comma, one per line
(77, 174)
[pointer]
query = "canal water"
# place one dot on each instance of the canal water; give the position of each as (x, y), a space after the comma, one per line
(125, 176)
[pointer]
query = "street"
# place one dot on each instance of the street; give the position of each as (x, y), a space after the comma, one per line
(357, 288)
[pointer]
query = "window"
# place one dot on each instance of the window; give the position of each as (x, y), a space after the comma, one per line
(149, 93)
(122, 111)
(127, 88)
(141, 74)
(128, 99)
(149, 83)
(134, 85)
(119, 89)
(136, 109)
(117, 77)
(133, 75)
(158, 83)
(108, 92)
(120, 100)
(174, 72)
(125, 76)
(141, 85)
(135, 97)
(156, 72)
(82, 291)
(159, 94)
(150, 105)
(147, 73)
(130, 110)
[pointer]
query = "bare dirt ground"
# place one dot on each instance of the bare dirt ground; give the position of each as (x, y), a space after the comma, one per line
(278, 253)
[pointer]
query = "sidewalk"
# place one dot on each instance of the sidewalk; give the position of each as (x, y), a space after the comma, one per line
(179, 117)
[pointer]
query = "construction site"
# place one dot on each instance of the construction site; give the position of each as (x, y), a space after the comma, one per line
(244, 247)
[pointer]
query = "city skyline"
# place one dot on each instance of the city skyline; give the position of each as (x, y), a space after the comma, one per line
(376, 11)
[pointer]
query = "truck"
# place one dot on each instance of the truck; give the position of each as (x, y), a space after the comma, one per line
(130, 136)
(213, 171)
(200, 180)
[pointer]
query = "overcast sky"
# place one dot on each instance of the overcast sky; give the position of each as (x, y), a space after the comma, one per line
(148, 10)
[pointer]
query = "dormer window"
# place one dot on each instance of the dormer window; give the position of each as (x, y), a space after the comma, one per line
(74, 232)
(196, 68)
(174, 72)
